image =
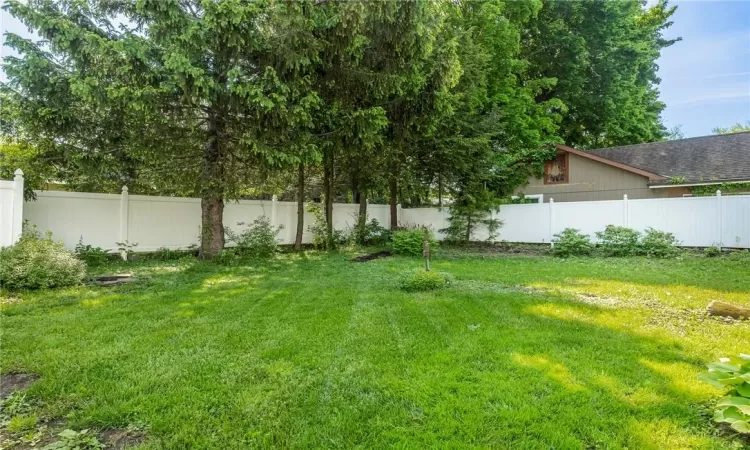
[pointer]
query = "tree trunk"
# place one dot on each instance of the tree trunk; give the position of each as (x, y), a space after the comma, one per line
(328, 191)
(393, 190)
(300, 208)
(362, 214)
(440, 191)
(212, 198)
(468, 229)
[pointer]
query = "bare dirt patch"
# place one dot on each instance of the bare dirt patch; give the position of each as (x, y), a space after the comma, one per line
(119, 438)
(371, 256)
(12, 382)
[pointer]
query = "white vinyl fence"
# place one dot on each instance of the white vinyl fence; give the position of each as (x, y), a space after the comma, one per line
(103, 220)
(695, 221)
(11, 209)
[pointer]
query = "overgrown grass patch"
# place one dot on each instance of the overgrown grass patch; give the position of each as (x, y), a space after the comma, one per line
(316, 351)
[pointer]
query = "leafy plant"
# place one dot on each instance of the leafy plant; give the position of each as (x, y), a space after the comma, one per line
(465, 219)
(712, 251)
(127, 248)
(734, 374)
(76, 440)
(369, 233)
(321, 240)
(422, 280)
(37, 262)
(258, 240)
(410, 241)
(659, 244)
(571, 242)
(619, 241)
(92, 256)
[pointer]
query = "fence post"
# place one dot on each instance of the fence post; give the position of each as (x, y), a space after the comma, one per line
(17, 214)
(625, 215)
(398, 214)
(718, 218)
(274, 209)
(124, 221)
(551, 221)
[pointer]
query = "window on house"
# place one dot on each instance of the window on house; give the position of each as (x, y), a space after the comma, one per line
(556, 171)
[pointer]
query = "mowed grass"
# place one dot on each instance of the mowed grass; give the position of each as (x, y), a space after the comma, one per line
(316, 351)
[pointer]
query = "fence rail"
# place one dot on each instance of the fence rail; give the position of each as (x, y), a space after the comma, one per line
(103, 220)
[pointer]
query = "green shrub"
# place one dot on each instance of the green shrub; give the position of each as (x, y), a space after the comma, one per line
(422, 280)
(258, 240)
(659, 244)
(92, 256)
(571, 242)
(712, 251)
(319, 229)
(36, 262)
(410, 241)
(619, 241)
(734, 374)
(370, 233)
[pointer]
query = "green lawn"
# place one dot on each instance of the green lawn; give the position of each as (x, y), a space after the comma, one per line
(316, 351)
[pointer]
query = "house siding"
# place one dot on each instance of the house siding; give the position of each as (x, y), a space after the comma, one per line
(590, 180)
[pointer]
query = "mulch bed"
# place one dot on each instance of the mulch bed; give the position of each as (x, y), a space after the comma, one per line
(371, 256)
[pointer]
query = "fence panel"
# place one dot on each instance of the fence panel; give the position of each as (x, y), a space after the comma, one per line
(71, 216)
(155, 222)
(735, 221)
(693, 220)
(589, 217)
(525, 223)
(6, 213)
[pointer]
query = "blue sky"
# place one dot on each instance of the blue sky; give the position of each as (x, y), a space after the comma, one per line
(705, 77)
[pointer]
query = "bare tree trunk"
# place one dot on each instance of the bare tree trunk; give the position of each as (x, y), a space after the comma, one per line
(440, 191)
(328, 188)
(212, 198)
(393, 190)
(362, 214)
(300, 207)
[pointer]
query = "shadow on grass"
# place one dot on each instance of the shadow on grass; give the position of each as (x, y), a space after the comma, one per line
(302, 352)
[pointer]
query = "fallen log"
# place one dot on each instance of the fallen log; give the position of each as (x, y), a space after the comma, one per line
(716, 308)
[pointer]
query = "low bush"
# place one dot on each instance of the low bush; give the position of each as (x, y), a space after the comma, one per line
(319, 229)
(659, 244)
(92, 256)
(732, 374)
(422, 280)
(37, 262)
(571, 242)
(619, 241)
(258, 240)
(371, 233)
(712, 251)
(410, 241)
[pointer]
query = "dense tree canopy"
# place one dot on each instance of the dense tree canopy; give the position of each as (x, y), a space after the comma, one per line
(412, 102)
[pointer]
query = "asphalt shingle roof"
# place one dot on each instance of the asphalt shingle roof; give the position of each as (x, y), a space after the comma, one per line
(724, 157)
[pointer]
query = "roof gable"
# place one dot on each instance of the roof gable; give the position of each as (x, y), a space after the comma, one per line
(650, 175)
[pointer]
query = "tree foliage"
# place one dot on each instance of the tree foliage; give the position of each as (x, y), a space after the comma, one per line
(414, 102)
(736, 128)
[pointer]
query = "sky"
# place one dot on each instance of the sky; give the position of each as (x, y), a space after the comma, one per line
(705, 77)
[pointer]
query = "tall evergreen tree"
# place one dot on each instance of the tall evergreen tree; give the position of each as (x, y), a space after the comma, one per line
(205, 90)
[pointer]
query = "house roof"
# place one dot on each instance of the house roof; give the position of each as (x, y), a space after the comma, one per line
(719, 158)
